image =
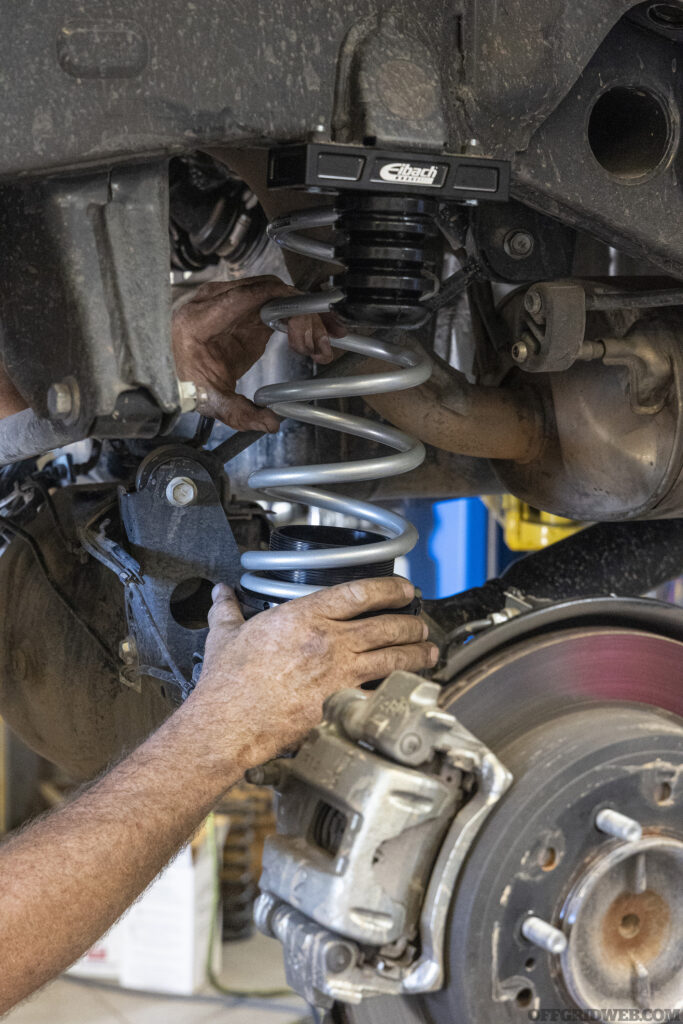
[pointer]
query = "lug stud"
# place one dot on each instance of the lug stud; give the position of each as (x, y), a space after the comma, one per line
(540, 933)
(619, 826)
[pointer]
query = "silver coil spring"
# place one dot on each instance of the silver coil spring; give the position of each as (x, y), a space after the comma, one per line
(300, 484)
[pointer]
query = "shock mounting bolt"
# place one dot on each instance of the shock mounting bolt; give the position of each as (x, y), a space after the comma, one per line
(181, 491)
(190, 395)
(61, 400)
(518, 244)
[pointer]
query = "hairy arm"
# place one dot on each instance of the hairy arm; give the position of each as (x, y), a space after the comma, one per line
(216, 336)
(69, 876)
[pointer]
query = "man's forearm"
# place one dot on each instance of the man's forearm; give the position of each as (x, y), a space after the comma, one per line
(70, 875)
(67, 877)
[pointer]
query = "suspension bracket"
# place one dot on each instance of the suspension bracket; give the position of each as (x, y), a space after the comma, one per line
(376, 813)
(333, 167)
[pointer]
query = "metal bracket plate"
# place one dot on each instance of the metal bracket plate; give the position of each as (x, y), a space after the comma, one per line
(334, 167)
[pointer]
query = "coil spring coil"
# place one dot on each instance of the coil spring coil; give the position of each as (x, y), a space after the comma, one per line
(299, 484)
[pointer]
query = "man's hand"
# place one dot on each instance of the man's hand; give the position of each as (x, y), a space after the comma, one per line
(218, 335)
(274, 671)
(69, 875)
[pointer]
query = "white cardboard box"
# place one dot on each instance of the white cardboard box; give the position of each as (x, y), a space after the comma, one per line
(161, 943)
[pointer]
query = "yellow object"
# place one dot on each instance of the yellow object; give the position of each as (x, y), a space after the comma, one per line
(528, 529)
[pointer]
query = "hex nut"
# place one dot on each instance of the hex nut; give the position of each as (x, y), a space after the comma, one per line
(191, 395)
(128, 651)
(60, 400)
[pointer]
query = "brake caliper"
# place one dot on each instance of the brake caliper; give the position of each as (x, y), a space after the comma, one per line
(375, 814)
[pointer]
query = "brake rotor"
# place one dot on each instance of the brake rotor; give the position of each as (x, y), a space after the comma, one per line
(584, 703)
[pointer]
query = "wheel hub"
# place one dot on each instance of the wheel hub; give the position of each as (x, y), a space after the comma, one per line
(542, 855)
(625, 921)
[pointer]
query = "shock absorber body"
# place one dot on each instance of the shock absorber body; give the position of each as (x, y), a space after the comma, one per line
(388, 247)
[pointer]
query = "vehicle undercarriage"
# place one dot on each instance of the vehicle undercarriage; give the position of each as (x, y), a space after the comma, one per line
(488, 198)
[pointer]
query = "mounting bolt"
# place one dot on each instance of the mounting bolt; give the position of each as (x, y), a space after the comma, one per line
(268, 774)
(533, 302)
(337, 958)
(520, 351)
(544, 935)
(410, 744)
(128, 650)
(524, 348)
(518, 244)
(181, 491)
(619, 826)
(190, 395)
(62, 400)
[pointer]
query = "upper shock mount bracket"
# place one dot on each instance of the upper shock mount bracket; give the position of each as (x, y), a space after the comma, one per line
(330, 167)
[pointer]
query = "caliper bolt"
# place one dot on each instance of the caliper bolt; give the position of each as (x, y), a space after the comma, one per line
(337, 958)
(619, 826)
(268, 774)
(518, 244)
(181, 491)
(540, 933)
(410, 744)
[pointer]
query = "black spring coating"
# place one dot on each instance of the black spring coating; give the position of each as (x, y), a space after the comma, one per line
(389, 247)
(308, 538)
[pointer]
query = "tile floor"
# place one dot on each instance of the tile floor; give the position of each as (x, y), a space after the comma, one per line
(255, 962)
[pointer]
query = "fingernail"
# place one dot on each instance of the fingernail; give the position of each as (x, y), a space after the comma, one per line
(425, 630)
(408, 589)
(433, 654)
(216, 592)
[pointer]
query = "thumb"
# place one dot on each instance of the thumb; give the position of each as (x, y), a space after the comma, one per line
(225, 611)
